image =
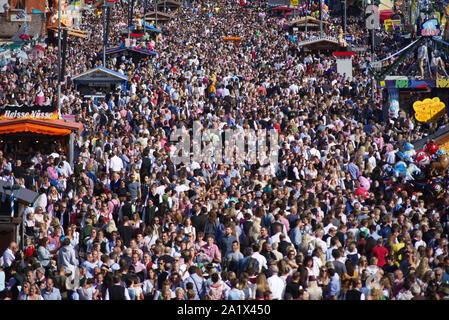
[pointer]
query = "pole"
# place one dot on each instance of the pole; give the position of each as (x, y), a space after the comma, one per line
(129, 18)
(345, 18)
(59, 57)
(155, 8)
(307, 15)
(144, 16)
(321, 18)
(104, 33)
(372, 60)
(63, 52)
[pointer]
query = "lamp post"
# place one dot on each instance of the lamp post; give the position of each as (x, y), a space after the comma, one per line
(345, 18)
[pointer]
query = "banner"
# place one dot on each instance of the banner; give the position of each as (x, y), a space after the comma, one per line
(28, 112)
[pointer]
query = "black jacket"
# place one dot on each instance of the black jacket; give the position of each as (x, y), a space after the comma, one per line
(117, 292)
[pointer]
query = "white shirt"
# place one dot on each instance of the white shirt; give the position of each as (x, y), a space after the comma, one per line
(320, 243)
(147, 287)
(181, 188)
(8, 257)
(317, 264)
(261, 259)
(276, 237)
(116, 164)
(160, 190)
(420, 243)
(277, 286)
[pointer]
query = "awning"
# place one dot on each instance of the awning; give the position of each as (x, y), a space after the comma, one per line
(36, 128)
(48, 127)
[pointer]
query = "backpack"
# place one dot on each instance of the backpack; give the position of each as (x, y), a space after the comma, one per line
(251, 263)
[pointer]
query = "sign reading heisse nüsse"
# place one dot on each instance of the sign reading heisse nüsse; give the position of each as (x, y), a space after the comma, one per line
(28, 112)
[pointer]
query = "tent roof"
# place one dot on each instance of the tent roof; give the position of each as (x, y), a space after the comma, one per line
(42, 126)
(160, 14)
(23, 195)
(307, 19)
(321, 43)
(170, 3)
(133, 49)
(103, 69)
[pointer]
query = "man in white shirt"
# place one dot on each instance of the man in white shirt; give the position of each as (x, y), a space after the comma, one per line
(116, 163)
(277, 285)
(10, 254)
(278, 231)
(260, 258)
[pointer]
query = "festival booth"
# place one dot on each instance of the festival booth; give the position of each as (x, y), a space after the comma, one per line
(325, 43)
(162, 17)
(26, 127)
(308, 22)
(403, 91)
(11, 213)
(135, 53)
(280, 11)
(169, 4)
(98, 81)
(236, 40)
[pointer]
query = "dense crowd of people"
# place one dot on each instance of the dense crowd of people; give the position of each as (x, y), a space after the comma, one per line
(127, 223)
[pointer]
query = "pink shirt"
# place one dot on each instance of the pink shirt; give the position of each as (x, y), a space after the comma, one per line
(138, 267)
(212, 252)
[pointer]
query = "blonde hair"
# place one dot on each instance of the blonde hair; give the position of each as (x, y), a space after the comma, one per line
(422, 267)
(376, 293)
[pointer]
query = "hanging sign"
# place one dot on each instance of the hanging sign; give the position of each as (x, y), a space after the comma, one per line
(28, 112)
(430, 28)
